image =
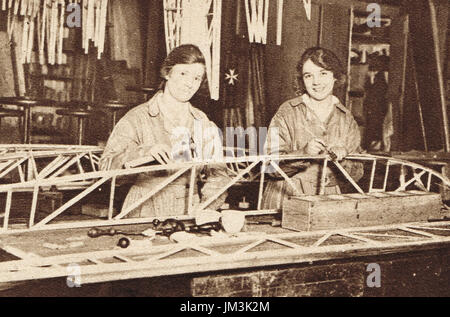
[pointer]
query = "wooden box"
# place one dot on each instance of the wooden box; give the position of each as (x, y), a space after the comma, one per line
(321, 212)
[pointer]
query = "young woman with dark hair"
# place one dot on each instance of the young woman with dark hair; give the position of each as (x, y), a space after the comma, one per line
(165, 128)
(313, 123)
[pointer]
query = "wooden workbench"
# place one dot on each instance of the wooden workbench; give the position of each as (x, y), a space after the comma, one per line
(262, 261)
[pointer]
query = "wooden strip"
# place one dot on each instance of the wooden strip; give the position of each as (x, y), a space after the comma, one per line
(287, 178)
(285, 243)
(72, 201)
(323, 239)
(111, 198)
(405, 184)
(386, 175)
(9, 169)
(250, 246)
(7, 209)
(261, 184)
(223, 189)
(372, 175)
(422, 233)
(348, 177)
(157, 188)
(33, 206)
(192, 184)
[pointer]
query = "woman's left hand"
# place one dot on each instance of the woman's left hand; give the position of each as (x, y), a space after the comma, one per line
(340, 152)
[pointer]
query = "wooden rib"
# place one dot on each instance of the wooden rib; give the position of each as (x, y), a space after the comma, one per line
(288, 180)
(386, 176)
(261, 184)
(50, 168)
(285, 243)
(223, 189)
(72, 201)
(7, 209)
(205, 250)
(33, 206)
(250, 246)
(191, 190)
(349, 178)
(351, 236)
(372, 175)
(123, 258)
(414, 178)
(385, 235)
(429, 181)
(426, 234)
(323, 239)
(111, 197)
(16, 164)
(160, 186)
(66, 166)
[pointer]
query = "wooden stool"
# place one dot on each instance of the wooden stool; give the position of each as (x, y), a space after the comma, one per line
(26, 103)
(81, 115)
(114, 106)
(5, 113)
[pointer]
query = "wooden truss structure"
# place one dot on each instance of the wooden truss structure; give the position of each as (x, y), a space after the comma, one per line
(87, 178)
(21, 163)
(247, 250)
(196, 22)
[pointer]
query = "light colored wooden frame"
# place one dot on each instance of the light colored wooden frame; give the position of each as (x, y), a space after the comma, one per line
(162, 260)
(243, 168)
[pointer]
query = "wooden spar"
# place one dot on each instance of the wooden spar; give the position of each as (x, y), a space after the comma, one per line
(191, 190)
(348, 177)
(71, 202)
(223, 189)
(33, 206)
(288, 180)
(157, 188)
(18, 163)
(111, 198)
(386, 175)
(405, 184)
(372, 175)
(261, 184)
(7, 209)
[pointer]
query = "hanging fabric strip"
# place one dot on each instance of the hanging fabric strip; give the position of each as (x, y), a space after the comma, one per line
(198, 23)
(307, 5)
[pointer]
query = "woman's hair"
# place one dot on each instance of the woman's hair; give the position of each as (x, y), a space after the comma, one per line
(324, 58)
(183, 54)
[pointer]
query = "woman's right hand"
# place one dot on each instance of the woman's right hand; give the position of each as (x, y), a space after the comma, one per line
(314, 147)
(162, 153)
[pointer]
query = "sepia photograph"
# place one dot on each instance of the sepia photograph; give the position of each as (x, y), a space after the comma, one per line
(224, 155)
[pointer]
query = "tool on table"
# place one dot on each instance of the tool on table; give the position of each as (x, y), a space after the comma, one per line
(273, 223)
(165, 228)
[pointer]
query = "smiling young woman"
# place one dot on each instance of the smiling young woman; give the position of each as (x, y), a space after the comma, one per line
(163, 128)
(313, 123)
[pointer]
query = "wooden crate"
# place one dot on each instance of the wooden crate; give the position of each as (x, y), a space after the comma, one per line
(320, 212)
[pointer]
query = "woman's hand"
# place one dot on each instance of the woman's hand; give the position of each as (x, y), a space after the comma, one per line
(314, 147)
(162, 153)
(340, 152)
